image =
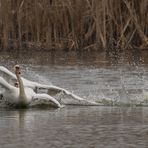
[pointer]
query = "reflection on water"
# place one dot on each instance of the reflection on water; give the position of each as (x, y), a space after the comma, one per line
(109, 78)
(75, 127)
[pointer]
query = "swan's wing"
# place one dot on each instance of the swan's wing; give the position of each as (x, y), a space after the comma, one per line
(53, 90)
(4, 85)
(72, 98)
(11, 78)
(45, 99)
(7, 74)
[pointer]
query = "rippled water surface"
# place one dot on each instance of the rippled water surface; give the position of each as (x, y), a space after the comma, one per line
(115, 81)
(75, 127)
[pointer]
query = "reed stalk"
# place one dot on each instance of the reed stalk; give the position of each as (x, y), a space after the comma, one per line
(73, 24)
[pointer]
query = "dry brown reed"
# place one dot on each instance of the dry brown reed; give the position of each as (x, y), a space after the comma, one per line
(73, 24)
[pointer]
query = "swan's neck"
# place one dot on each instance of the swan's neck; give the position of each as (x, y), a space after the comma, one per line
(22, 95)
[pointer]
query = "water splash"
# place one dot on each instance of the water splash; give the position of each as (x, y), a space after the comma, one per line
(124, 85)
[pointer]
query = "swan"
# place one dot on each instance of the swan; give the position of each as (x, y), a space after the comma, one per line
(11, 78)
(22, 96)
(51, 89)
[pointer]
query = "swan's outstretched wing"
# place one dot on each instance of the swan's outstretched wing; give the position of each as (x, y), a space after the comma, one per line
(45, 99)
(7, 75)
(11, 78)
(4, 85)
(53, 90)
(76, 100)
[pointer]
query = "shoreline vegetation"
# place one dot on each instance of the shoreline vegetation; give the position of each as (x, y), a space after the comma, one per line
(73, 25)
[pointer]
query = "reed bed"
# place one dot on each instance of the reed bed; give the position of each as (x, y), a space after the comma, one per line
(73, 24)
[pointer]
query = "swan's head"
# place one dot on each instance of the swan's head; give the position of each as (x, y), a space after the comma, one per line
(17, 69)
(16, 84)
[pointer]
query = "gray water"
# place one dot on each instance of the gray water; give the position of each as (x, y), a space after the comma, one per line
(119, 83)
(75, 127)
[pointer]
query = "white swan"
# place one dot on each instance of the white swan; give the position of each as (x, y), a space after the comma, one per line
(51, 89)
(11, 78)
(22, 96)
